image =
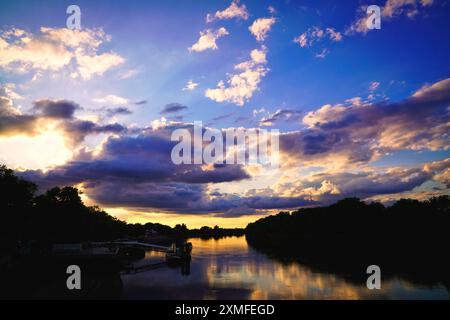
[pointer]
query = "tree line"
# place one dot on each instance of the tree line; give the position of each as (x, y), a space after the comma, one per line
(409, 238)
(59, 215)
(351, 216)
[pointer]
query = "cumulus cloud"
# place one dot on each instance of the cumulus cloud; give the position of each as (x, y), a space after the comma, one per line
(54, 49)
(12, 121)
(76, 38)
(8, 90)
(328, 186)
(58, 113)
(334, 35)
(208, 39)
(18, 49)
(242, 85)
(15, 122)
(409, 8)
(360, 133)
(440, 171)
(391, 9)
(140, 169)
(97, 64)
(111, 100)
(324, 114)
(302, 40)
(135, 170)
(232, 12)
(261, 27)
(316, 34)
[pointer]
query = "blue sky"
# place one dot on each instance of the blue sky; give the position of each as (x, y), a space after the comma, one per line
(335, 76)
(154, 36)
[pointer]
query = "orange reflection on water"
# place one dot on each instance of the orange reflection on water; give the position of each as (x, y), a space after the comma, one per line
(270, 279)
(228, 268)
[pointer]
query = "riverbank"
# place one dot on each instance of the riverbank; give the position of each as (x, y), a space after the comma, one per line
(408, 239)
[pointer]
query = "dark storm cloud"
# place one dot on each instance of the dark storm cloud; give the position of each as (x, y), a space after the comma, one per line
(62, 109)
(141, 159)
(121, 186)
(59, 112)
(12, 121)
(172, 197)
(176, 197)
(77, 130)
(359, 133)
(173, 108)
(11, 124)
(222, 173)
(136, 171)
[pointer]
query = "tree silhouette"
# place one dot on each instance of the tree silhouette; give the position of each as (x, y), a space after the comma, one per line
(410, 237)
(16, 197)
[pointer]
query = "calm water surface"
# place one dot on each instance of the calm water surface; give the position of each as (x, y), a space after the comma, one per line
(228, 268)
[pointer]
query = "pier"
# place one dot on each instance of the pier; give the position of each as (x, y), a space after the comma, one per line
(140, 245)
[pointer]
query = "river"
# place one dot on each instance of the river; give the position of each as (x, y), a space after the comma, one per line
(228, 268)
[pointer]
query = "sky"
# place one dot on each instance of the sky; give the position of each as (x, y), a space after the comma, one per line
(361, 112)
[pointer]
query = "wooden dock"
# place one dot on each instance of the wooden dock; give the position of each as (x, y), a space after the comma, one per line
(141, 245)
